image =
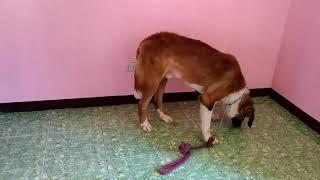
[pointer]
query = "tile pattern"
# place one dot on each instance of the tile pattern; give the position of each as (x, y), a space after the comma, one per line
(106, 143)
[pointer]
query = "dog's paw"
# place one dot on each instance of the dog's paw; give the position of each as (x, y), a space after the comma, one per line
(215, 141)
(212, 141)
(146, 126)
(164, 117)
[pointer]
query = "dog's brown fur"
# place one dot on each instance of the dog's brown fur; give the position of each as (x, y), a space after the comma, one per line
(162, 54)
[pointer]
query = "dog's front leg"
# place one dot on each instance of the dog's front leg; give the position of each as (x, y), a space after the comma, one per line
(205, 116)
(206, 108)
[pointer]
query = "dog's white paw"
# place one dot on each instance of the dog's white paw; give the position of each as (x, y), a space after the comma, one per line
(164, 117)
(146, 126)
(208, 137)
(215, 141)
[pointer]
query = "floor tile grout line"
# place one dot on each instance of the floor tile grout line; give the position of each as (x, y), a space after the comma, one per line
(104, 146)
(22, 136)
(45, 151)
(30, 135)
(7, 137)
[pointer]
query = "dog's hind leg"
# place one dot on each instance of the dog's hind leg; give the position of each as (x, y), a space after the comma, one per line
(158, 99)
(143, 91)
(147, 93)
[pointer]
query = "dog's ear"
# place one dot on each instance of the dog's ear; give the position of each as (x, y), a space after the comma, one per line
(251, 117)
(246, 109)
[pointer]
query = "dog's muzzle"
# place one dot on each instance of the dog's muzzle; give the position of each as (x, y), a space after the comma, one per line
(237, 121)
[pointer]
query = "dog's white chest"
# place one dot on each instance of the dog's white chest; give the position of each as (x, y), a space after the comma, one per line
(196, 87)
(177, 75)
(173, 74)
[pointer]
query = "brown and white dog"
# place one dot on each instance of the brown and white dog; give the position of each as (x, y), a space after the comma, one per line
(215, 75)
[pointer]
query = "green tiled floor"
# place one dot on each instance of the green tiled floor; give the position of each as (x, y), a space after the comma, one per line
(107, 143)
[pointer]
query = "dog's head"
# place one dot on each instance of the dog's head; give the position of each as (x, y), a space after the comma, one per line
(245, 109)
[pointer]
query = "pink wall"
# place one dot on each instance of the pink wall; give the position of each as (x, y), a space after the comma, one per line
(297, 76)
(70, 49)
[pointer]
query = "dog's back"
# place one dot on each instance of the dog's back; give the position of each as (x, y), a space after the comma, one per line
(167, 54)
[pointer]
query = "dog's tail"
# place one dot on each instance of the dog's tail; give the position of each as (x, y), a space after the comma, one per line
(138, 76)
(137, 53)
(137, 86)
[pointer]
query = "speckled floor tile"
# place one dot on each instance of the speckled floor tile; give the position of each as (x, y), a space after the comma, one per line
(21, 157)
(24, 124)
(278, 146)
(75, 148)
(107, 143)
(75, 155)
(75, 120)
